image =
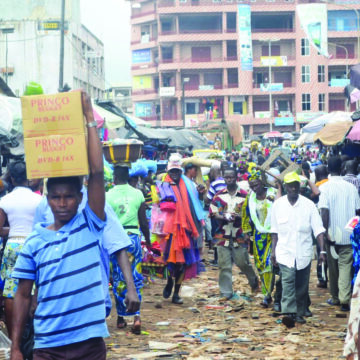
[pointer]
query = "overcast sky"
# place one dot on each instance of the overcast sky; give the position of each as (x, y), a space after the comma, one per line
(109, 20)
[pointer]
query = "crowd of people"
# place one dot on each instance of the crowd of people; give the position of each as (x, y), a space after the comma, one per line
(66, 240)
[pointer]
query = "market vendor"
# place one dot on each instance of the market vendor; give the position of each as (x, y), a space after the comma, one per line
(178, 242)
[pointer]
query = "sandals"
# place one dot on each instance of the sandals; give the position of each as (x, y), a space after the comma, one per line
(136, 328)
(121, 323)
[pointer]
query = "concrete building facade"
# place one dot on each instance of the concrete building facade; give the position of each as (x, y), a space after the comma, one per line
(30, 47)
(186, 65)
(120, 94)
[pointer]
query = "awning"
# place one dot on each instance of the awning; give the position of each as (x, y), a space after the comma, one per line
(307, 138)
(287, 136)
(318, 123)
(112, 121)
(99, 120)
(272, 134)
(333, 133)
(354, 134)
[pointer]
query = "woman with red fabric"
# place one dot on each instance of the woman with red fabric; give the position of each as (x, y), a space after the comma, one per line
(180, 230)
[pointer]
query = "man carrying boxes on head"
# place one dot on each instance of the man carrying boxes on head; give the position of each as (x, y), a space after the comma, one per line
(64, 259)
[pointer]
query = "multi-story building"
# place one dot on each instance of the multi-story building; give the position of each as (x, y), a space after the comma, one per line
(30, 47)
(120, 94)
(186, 63)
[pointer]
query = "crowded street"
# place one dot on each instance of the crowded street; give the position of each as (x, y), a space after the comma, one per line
(179, 179)
(237, 331)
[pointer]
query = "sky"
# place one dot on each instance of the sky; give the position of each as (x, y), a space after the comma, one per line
(109, 20)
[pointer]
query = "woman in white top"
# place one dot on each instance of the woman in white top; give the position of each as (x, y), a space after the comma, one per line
(18, 208)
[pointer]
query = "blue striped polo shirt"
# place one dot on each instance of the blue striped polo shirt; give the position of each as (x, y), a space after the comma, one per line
(114, 237)
(66, 268)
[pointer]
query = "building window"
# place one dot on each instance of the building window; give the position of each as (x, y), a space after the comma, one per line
(321, 73)
(305, 102)
(305, 49)
(190, 108)
(238, 107)
(321, 102)
(305, 74)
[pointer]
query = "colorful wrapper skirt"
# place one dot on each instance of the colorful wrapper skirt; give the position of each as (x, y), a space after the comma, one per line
(191, 256)
(119, 284)
(12, 250)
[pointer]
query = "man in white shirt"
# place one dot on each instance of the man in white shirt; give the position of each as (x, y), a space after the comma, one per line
(293, 219)
(339, 202)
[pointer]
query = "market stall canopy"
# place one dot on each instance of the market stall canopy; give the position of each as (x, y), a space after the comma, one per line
(180, 139)
(354, 134)
(333, 133)
(112, 121)
(137, 121)
(352, 93)
(99, 120)
(133, 121)
(272, 134)
(306, 138)
(11, 130)
(319, 122)
(287, 136)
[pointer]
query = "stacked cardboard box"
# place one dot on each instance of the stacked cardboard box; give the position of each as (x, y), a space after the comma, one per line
(54, 135)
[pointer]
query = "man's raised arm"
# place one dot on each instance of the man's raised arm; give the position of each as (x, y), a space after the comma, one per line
(96, 190)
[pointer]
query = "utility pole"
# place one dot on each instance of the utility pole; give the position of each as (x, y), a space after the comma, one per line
(6, 59)
(62, 35)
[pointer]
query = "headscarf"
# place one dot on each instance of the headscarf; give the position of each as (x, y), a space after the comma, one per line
(251, 166)
(255, 175)
(242, 164)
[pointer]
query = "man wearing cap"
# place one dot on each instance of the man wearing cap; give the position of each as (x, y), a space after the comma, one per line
(293, 219)
(179, 229)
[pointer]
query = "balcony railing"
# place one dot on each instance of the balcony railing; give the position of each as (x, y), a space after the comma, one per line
(272, 30)
(249, 2)
(197, 60)
(203, 87)
(166, 61)
(150, 118)
(285, 84)
(168, 32)
(231, 86)
(231, 31)
(143, 66)
(231, 58)
(200, 31)
(289, 57)
(191, 86)
(170, 116)
(145, 91)
(139, 41)
(166, 3)
(144, 13)
(342, 56)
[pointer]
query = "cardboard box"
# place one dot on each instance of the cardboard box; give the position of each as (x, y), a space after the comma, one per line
(54, 135)
(56, 155)
(54, 114)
